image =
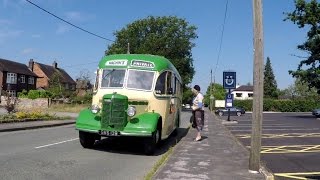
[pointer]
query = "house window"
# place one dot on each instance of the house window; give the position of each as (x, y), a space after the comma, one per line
(11, 78)
(250, 95)
(31, 80)
(23, 79)
(67, 86)
(238, 94)
(73, 87)
(12, 93)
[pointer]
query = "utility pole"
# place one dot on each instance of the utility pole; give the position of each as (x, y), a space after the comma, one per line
(257, 115)
(210, 98)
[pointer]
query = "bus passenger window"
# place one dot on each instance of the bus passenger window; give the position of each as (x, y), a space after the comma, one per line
(161, 84)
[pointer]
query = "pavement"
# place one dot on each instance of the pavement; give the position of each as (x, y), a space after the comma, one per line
(218, 156)
(5, 127)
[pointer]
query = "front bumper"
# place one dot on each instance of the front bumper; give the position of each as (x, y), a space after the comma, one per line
(121, 133)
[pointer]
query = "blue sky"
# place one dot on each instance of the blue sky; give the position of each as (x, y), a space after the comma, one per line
(27, 32)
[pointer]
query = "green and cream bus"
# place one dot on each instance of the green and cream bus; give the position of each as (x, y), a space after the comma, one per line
(135, 95)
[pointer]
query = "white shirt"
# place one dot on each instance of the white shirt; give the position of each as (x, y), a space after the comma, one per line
(198, 99)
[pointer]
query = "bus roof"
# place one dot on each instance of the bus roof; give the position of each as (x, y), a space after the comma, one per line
(138, 61)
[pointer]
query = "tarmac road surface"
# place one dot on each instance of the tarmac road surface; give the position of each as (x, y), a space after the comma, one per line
(55, 153)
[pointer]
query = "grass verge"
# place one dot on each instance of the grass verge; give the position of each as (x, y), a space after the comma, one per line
(158, 164)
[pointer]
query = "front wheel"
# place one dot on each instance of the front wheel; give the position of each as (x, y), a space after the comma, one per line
(238, 113)
(152, 142)
(86, 139)
(220, 113)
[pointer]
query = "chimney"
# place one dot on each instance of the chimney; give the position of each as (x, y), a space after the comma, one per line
(55, 64)
(31, 63)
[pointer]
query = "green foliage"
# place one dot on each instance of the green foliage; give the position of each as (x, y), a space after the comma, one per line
(33, 115)
(306, 15)
(86, 99)
(34, 94)
(167, 36)
(55, 86)
(217, 90)
(300, 90)
(281, 105)
(270, 84)
(187, 95)
(23, 94)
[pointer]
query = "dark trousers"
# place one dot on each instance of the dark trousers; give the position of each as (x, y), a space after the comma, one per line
(198, 119)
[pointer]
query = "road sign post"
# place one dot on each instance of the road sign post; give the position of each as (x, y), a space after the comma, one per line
(229, 82)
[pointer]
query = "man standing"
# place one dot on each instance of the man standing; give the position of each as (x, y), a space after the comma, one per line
(198, 111)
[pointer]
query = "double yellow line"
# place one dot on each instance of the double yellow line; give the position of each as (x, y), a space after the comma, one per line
(301, 175)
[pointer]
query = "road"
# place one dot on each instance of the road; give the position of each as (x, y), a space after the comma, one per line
(55, 153)
(290, 143)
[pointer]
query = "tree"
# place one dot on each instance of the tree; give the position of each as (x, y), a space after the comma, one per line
(300, 89)
(166, 36)
(187, 96)
(55, 86)
(84, 74)
(306, 14)
(270, 84)
(217, 90)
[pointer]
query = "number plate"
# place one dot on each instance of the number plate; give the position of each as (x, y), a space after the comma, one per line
(110, 133)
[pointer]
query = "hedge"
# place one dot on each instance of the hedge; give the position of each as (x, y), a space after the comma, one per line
(281, 105)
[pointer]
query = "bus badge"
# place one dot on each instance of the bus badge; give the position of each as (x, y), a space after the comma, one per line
(140, 63)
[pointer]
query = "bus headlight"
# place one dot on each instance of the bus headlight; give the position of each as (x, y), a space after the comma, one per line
(95, 109)
(131, 111)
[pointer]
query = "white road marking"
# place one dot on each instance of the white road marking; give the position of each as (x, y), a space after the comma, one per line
(56, 143)
(244, 130)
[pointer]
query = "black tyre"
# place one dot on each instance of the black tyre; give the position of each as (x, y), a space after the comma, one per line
(220, 113)
(238, 113)
(86, 139)
(152, 142)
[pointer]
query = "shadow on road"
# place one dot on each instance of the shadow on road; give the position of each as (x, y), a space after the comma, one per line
(130, 145)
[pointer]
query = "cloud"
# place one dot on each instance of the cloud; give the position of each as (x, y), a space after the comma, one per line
(10, 33)
(75, 16)
(62, 29)
(35, 35)
(27, 51)
(5, 22)
(13, 3)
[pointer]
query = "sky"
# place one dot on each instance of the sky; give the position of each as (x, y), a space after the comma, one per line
(27, 32)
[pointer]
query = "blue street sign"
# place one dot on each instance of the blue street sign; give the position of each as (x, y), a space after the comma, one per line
(229, 80)
(229, 100)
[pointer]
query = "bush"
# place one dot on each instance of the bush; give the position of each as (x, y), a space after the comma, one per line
(281, 105)
(23, 94)
(33, 115)
(34, 94)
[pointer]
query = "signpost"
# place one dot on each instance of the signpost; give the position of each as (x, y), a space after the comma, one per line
(229, 82)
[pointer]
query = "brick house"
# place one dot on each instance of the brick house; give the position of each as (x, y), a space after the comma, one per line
(15, 77)
(45, 72)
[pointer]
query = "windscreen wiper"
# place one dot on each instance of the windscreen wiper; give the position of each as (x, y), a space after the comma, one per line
(108, 73)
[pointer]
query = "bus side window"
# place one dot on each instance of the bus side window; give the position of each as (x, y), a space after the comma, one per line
(97, 81)
(169, 83)
(161, 84)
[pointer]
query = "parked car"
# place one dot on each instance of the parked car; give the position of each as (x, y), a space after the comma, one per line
(187, 106)
(316, 112)
(233, 111)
